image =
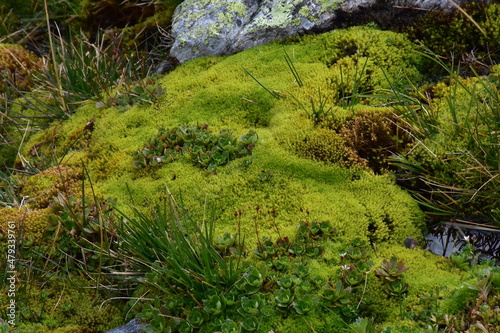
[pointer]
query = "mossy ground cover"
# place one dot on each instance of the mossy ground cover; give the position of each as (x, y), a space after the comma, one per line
(218, 92)
(286, 179)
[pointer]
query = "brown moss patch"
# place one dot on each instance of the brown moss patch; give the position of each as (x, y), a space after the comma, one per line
(17, 65)
(374, 137)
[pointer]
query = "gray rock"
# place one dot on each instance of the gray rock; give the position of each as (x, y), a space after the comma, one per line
(411, 242)
(133, 326)
(222, 27)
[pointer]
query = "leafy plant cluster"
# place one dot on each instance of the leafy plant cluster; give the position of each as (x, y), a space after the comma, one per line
(391, 272)
(80, 232)
(202, 282)
(213, 283)
(77, 236)
(142, 92)
(205, 149)
(260, 293)
(306, 244)
(471, 308)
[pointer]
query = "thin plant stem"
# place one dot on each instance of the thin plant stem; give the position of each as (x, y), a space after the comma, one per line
(53, 54)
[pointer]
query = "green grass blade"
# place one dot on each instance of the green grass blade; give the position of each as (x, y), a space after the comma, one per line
(275, 95)
(292, 68)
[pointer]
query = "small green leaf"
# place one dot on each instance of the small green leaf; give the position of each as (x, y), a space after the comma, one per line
(229, 326)
(214, 305)
(305, 304)
(250, 323)
(284, 297)
(251, 304)
(195, 318)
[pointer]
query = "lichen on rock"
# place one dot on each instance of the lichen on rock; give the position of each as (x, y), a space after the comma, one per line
(204, 28)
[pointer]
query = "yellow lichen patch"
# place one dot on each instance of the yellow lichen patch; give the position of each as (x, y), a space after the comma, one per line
(43, 187)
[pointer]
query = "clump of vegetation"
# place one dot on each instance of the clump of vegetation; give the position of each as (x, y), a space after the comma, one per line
(220, 285)
(23, 21)
(326, 273)
(43, 187)
(288, 282)
(205, 149)
(31, 224)
(453, 167)
(16, 67)
(325, 145)
(375, 136)
(55, 305)
(468, 36)
(138, 93)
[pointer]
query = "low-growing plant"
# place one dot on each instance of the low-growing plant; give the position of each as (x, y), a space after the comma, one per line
(4, 328)
(212, 284)
(375, 136)
(9, 196)
(464, 258)
(81, 231)
(305, 304)
(349, 89)
(362, 325)
(76, 71)
(142, 92)
(336, 295)
(391, 270)
(90, 70)
(197, 267)
(319, 110)
(202, 147)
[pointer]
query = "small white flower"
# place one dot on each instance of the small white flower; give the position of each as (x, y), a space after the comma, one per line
(345, 268)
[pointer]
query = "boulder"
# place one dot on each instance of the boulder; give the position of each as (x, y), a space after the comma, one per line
(223, 27)
(133, 326)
